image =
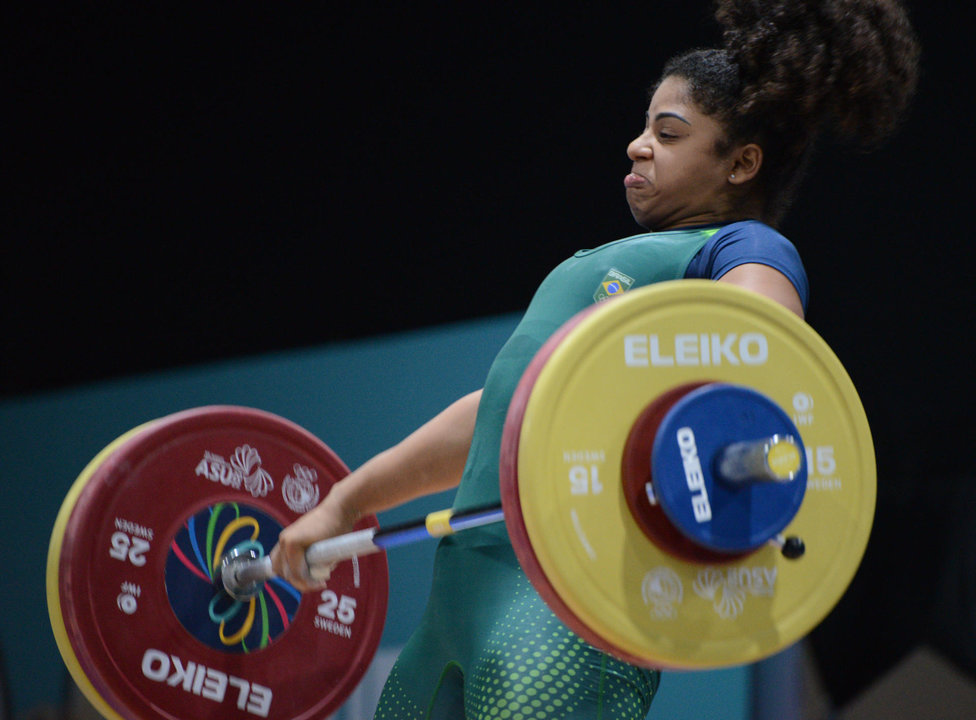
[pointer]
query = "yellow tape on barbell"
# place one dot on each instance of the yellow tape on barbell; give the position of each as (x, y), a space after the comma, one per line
(438, 523)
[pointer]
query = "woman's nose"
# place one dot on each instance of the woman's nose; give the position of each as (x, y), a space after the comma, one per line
(640, 148)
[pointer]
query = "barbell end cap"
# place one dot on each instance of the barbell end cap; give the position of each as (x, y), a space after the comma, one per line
(777, 459)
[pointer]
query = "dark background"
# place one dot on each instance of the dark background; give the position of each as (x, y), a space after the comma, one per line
(190, 183)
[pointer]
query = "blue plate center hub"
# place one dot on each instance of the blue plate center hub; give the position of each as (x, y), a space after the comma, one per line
(713, 511)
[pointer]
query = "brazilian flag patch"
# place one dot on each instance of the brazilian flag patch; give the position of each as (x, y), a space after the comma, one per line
(614, 283)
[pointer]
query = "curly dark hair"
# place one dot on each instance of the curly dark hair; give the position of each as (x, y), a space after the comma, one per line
(789, 69)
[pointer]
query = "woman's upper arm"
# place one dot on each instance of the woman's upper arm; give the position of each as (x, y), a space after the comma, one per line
(767, 281)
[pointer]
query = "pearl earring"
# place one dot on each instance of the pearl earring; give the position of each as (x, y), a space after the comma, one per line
(732, 176)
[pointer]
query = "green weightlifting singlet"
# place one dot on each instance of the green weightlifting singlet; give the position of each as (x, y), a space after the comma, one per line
(488, 646)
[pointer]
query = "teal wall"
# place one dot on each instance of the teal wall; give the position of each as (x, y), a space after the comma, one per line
(359, 397)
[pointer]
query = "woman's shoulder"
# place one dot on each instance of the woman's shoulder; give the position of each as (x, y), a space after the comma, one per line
(750, 241)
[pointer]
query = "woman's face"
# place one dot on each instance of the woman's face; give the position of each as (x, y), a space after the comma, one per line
(677, 178)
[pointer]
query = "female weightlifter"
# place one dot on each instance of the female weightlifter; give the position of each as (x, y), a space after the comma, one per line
(727, 137)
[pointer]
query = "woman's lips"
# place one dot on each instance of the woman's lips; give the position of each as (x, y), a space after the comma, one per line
(635, 180)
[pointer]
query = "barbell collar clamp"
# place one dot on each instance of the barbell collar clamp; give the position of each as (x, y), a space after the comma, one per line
(792, 547)
(242, 574)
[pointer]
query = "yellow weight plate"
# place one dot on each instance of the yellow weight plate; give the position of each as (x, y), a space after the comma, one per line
(584, 549)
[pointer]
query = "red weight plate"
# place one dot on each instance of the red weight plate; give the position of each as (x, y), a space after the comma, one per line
(135, 575)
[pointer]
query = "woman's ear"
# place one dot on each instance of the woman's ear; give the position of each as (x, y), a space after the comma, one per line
(746, 162)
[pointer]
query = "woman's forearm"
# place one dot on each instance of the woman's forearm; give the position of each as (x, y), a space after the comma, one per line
(429, 460)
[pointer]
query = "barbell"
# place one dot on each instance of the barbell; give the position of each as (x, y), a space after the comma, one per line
(687, 477)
